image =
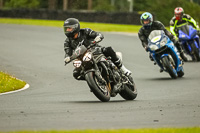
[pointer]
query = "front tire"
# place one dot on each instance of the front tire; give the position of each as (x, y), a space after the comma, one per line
(169, 67)
(195, 52)
(101, 93)
(181, 73)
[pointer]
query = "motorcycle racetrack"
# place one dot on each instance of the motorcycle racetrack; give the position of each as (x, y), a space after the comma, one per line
(56, 101)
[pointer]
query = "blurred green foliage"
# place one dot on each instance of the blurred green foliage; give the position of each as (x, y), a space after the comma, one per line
(163, 10)
(30, 4)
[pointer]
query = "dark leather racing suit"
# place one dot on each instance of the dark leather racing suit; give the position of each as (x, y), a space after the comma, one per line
(186, 19)
(85, 36)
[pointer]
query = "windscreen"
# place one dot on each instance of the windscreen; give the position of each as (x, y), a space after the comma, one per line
(185, 29)
(155, 33)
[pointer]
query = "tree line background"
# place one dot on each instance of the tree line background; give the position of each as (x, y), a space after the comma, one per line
(163, 10)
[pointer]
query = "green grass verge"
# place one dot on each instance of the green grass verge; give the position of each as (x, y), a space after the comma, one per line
(56, 23)
(9, 83)
(159, 130)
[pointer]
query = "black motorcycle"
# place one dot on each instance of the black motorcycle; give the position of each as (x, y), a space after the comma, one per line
(103, 77)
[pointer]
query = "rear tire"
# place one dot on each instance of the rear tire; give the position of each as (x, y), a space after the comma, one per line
(129, 92)
(169, 67)
(102, 94)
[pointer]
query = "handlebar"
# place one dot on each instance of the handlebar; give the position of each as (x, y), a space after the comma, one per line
(92, 44)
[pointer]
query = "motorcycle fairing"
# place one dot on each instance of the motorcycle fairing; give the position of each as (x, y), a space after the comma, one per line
(188, 35)
(162, 51)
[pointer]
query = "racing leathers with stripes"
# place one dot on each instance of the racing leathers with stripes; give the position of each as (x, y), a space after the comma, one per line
(186, 19)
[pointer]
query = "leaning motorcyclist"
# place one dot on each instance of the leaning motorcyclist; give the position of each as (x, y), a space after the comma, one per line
(180, 19)
(77, 37)
(148, 25)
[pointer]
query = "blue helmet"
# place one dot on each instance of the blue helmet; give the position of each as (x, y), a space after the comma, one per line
(146, 19)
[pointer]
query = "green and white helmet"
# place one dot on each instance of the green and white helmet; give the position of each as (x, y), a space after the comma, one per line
(146, 19)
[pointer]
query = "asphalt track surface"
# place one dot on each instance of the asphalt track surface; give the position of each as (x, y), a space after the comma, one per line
(56, 101)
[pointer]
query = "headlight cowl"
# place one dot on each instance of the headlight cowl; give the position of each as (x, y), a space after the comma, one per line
(77, 63)
(153, 47)
(87, 57)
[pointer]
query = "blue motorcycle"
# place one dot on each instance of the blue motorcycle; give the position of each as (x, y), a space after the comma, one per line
(165, 54)
(190, 41)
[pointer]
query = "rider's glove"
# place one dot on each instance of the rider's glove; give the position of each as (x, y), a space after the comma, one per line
(146, 48)
(67, 59)
(97, 39)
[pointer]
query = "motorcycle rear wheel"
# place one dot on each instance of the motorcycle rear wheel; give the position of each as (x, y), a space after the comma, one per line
(102, 94)
(129, 92)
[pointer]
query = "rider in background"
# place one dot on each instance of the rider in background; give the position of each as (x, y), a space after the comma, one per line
(77, 37)
(180, 19)
(148, 25)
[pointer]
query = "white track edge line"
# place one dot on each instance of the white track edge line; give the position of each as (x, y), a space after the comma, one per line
(24, 88)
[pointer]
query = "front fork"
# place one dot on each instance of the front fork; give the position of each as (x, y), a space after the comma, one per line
(98, 75)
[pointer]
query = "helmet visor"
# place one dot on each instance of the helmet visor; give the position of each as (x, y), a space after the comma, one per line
(178, 16)
(70, 28)
(146, 22)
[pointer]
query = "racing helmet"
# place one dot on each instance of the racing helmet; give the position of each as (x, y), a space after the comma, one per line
(146, 20)
(178, 12)
(71, 27)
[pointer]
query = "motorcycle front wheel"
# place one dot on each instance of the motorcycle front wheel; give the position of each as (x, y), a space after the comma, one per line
(100, 90)
(169, 67)
(195, 52)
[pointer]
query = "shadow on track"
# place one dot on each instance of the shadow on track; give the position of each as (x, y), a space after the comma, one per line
(111, 101)
(163, 79)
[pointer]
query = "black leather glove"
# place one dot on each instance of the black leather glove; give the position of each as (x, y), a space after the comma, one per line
(146, 48)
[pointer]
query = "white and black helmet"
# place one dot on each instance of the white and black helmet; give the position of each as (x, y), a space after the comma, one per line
(73, 24)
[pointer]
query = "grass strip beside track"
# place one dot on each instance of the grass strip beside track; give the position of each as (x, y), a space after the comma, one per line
(158, 130)
(58, 23)
(10, 83)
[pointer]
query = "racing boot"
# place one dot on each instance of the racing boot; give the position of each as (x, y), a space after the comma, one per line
(125, 70)
(108, 51)
(150, 57)
(119, 64)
